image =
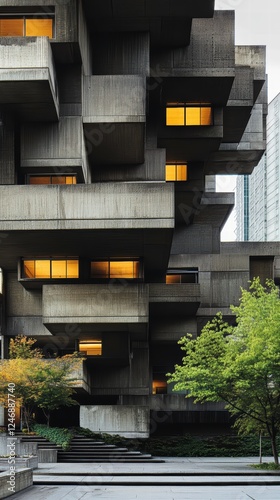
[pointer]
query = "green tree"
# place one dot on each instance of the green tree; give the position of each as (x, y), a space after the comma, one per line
(42, 383)
(240, 364)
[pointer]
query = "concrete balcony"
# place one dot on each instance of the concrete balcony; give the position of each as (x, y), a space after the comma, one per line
(57, 148)
(96, 307)
(62, 220)
(169, 22)
(27, 78)
(81, 378)
(179, 299)
(114, 116)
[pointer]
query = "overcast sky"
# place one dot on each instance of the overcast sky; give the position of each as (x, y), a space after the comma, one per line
(257, 22)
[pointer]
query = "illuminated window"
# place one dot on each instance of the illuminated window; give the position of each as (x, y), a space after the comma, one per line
(176, 172)
(187, 275)
(188, 115)
(51, 179)
(55, 268)
(115, 269)
(159, 384)
(91, 347)
(29, 25)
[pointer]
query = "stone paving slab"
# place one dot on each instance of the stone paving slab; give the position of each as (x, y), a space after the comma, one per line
(149, 492)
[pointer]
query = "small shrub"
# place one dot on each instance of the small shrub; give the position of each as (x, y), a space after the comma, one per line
(266, 466)
(61, 437)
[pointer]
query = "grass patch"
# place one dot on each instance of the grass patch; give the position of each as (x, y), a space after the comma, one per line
(266, 466)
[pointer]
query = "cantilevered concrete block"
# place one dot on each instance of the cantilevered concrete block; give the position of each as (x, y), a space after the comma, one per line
(114, 116)
(56, 148)
(27, 77)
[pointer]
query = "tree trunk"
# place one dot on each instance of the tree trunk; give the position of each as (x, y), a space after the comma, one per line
(274, 448)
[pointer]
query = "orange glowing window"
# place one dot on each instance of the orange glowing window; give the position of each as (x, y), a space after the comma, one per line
(52, 179)
(11, 27)
(187, 275)
(177, 172)
(16, 25)
(50, 268)
(39, 27)
(188, 115)
(115, 269)
(91, 347)
(159, 387)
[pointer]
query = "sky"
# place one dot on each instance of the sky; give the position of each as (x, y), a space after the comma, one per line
(256, 23)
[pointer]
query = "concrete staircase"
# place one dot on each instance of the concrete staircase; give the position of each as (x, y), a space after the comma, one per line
(86, 450)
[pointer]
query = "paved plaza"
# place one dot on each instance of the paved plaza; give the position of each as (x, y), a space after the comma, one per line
(175, 479)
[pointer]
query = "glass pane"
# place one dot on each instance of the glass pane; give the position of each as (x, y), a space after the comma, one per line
(58, 179)
(159, 387)
(173, 278)
(93, 348)
(70, 179)
(28, 269)
(39, 27)
(100, 269)
(44, 179)
(72, 268)
(206, 116)
(58, 269)
(11, 27)
(181, 172)
(136, 269)
(122, 269)
(175, 116)
(170, 172)
(192, 116)
(42, 269)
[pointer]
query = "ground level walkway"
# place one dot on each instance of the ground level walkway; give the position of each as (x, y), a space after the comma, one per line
(175, 479)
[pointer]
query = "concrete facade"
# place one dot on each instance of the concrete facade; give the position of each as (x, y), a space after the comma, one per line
(86, 147)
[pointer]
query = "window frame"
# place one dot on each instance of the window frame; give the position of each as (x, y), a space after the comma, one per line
(22, 277)
(21, 15)
(180, 273)
(51, 176)
(185, 106)
(177, 166)
(109, 278)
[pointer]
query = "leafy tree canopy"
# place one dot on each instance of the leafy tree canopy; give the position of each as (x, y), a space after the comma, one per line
(240, 364)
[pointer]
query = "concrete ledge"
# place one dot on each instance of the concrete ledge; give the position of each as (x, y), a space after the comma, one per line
(12, 482)
(47, 456)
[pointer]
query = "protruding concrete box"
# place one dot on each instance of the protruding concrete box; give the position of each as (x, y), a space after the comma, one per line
(174, 298)
(118, 307)
(27, 77)
(127, 421)
(114, 116)
(57, 148)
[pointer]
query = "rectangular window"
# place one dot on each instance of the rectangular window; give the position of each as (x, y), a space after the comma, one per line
(159, 384)
(187, 275)
(188, 115)
(177, 172)
(115, 269)
(91, 347)
(29, 25)
(56, 268)
(51, 179)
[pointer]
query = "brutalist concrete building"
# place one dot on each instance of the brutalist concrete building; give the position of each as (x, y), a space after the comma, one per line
(115, 118)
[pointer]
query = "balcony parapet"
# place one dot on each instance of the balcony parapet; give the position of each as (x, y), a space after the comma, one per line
(27, 77)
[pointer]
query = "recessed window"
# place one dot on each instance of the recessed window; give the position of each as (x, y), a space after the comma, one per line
(187, 275)
(31, 25)
(178, 172)
(91, 347)
(159, 384)
(55, 268)
(188, 115)
(115, 269)
(51, 179)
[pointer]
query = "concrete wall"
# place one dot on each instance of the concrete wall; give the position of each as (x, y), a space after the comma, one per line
(24, 309)
(2, 415)
(114, 99)
(95, 206)
(7, 141)
(127, 421)
(23, 479)
(121, 54)
(56, 148)
(89, 304)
